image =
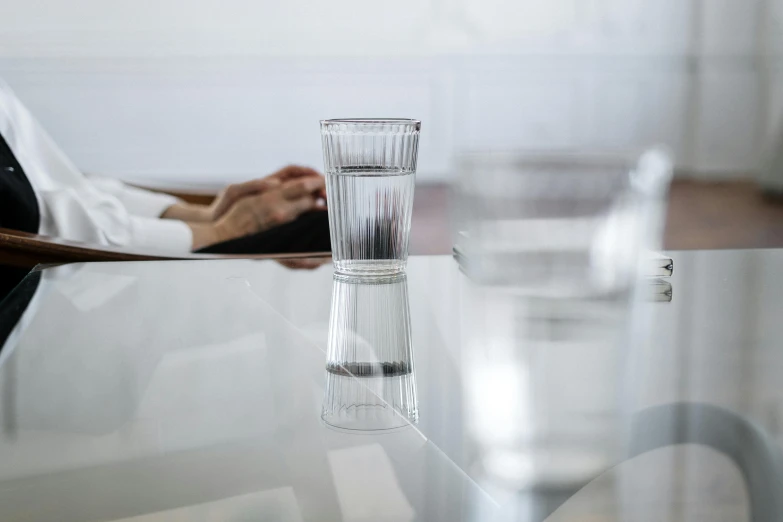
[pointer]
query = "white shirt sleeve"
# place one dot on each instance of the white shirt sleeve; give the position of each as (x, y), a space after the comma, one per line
(89, 215)
(164, 235)
(72, 206)
(139, 202)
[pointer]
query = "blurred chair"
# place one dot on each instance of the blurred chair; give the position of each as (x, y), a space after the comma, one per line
(755, 453)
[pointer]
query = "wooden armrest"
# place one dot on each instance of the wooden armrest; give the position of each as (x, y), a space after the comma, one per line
(27, 250)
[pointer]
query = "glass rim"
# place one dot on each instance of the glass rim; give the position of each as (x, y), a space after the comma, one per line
(373, 121)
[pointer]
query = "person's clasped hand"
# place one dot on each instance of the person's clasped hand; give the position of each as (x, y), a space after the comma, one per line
(233, 193)
(274, 206)
(255, 206)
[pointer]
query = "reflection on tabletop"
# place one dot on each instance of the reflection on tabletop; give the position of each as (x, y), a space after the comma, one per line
(162, 390)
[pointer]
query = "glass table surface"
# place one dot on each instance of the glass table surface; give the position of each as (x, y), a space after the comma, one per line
(167, 391)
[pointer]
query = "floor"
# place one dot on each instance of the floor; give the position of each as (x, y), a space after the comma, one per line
(701, 215)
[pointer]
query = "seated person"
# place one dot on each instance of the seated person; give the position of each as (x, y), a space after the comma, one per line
(41, 191)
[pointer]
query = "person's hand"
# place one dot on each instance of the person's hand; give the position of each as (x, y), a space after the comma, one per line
(290, 172)
(233, 193)
(273, 207)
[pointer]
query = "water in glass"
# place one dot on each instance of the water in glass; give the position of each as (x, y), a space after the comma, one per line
(370, 218)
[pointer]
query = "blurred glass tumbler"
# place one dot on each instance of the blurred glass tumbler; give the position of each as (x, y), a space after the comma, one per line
(370, 383)
(370, 167)
(553, 247)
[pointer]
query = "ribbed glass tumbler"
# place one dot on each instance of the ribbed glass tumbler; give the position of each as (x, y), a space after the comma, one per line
(370, 383)
(370, 167)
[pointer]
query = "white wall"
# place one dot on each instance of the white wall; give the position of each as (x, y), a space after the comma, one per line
(209, 91)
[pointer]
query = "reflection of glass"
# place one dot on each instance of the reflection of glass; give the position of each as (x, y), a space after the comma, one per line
(370, 170)
(659, 290)
(370, 382)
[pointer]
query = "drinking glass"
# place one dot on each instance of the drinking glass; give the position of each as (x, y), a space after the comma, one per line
(370, 167)
(370, 383)
(553, 247)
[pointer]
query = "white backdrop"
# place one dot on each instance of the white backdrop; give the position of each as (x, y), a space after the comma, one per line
(207, 91)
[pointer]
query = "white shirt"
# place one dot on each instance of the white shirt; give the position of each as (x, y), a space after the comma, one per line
(92, 210)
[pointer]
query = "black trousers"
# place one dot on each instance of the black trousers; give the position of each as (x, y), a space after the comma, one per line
(309, 233)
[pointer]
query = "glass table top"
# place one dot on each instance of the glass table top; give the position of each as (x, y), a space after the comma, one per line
(167, 391)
